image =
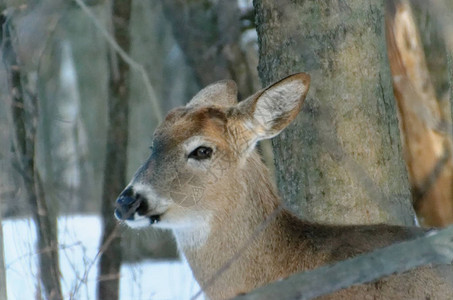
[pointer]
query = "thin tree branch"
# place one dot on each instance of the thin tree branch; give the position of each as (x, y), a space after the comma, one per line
(129, 60)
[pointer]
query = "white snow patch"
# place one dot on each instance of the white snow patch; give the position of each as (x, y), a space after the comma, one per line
(79, 238)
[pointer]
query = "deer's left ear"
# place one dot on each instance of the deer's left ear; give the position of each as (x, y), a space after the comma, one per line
(269, 111)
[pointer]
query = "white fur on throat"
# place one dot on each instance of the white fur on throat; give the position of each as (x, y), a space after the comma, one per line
(194, 235)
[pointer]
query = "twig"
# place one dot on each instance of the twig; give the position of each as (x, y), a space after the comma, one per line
(104, 246)
(132, 63)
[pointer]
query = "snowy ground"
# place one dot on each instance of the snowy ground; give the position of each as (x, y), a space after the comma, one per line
(79, 239)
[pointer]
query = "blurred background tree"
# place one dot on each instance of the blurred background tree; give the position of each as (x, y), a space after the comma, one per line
(24, 110)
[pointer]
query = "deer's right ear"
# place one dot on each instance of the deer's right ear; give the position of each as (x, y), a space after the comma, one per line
(269, 111)
(223, 93)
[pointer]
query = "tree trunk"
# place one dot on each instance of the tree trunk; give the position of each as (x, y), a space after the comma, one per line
(24, 112)
(427, 143)
(341, 161)
(116, 156)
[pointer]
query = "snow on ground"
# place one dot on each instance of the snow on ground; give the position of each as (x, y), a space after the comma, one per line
(79, 240)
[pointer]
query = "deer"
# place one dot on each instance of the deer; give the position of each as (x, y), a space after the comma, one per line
(206, 181)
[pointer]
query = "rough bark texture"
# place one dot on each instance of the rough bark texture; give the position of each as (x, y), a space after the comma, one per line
(24, 113)
(423, 120)
(116, 156)
(341, 160)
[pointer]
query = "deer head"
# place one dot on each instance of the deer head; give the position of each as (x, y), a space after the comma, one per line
(201, 148)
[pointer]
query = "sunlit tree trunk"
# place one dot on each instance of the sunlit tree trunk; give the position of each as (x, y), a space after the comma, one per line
(116, 156)
(341, 160)
(423, 118)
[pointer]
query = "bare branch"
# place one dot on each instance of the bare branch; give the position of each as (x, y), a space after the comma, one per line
(129, 60)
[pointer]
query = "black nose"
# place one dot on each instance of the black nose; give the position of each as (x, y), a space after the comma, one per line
(127, 204)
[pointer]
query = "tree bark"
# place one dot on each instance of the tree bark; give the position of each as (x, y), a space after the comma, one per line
(341, 160)
(116, 156)
(24, 112)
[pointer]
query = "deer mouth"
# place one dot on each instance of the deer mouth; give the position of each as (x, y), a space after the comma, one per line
(144, 211)
(136, 210)
(154, 219)
(134, 207)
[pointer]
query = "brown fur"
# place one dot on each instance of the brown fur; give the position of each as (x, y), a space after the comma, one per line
(289, 245)
(237, 196)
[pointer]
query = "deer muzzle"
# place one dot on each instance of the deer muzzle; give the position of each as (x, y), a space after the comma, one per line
(130, 204)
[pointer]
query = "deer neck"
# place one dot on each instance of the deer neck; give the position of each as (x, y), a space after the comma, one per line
(207, 248)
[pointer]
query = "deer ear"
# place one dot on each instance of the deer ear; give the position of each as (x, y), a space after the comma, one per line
(223, 93)
(270, 110)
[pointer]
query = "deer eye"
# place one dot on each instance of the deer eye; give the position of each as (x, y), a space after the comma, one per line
(201, 153)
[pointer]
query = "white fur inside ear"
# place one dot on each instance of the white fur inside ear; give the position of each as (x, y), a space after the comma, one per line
(278, 101)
